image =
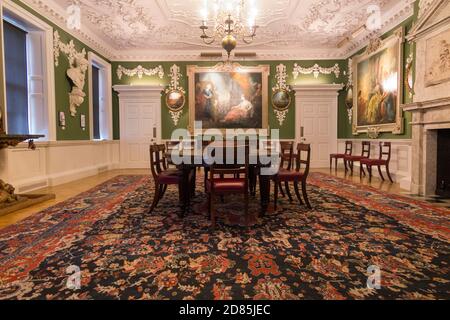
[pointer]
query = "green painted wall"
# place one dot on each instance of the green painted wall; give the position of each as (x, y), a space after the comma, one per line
(287, 130)
(345, 128)
(63, 87)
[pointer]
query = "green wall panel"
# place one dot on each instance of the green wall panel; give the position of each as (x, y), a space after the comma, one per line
(345, 128)
(287, 130)
(73, 129)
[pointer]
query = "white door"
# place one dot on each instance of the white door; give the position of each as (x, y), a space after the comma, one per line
(316, 118)
(315, 124)
(139, 131)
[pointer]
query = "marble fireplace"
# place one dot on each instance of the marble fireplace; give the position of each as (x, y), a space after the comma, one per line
(431, 107)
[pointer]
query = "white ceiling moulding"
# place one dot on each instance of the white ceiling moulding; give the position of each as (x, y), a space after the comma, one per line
(402, 11)
(52, 11)
(290, 29)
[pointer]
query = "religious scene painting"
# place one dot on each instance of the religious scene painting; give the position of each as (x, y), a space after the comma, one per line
(229, 99)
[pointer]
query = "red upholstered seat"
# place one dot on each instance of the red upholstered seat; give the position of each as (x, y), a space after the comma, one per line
(354, 158)
(374, 162)
(338, 155)
(171, 176)
(226, 185)
(288, 175)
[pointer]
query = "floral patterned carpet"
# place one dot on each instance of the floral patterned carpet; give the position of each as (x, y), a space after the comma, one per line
(125, 252)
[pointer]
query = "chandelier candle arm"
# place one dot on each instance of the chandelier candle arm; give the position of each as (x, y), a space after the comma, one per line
(228, 23)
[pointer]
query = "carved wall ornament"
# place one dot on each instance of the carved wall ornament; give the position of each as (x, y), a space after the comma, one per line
(349, 88)
(374, 45)
(281, 98)
(373, 132)
(409, 80)
(140, 71)
(175, 95)
(316, 70)
(76, 72)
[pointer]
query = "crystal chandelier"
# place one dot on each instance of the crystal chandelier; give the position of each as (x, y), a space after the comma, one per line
(228, 20)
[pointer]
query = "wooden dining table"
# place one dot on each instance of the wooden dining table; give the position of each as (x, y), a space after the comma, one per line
(196, 160)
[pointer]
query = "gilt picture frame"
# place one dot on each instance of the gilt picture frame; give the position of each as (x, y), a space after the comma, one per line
(228, 96)
(378, 87)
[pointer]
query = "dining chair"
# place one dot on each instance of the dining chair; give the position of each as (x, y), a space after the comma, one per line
(229, 178)
(297, 175)
(286, 154)
(336, 156)
(170, 146)
(350, 160)
(383, 160)
(162, 175)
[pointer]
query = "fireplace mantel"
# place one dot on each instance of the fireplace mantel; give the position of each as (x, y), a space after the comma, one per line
(431, 107)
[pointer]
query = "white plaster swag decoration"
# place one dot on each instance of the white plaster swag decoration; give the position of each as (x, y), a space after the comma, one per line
(174, 87)
(350, 91)
(140, 71)
(76, 72)
(281, 85)
(316, 70)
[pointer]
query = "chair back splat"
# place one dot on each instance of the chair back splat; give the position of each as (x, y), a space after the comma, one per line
(348, 148)
(286, 154)
(385, 151)
(365, 151)
(158, 161)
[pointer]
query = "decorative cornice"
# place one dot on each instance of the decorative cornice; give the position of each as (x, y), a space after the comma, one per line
(406, 10)
(47, 8)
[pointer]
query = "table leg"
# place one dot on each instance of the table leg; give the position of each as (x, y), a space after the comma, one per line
(264, 190)
(184, 191)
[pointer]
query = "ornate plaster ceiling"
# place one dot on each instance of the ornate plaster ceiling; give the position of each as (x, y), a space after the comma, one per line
(153, 29)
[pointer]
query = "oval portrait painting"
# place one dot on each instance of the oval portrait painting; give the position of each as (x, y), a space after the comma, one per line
(281, 100)
(175, 100)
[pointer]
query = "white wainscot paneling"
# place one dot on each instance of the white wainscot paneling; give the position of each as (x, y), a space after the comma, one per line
(54, 163)
(400, 165)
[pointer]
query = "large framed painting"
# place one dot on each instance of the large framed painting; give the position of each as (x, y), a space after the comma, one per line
(377, 93)
(228, 97)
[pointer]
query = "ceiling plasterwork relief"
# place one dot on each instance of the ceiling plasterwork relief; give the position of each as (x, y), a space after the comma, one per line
(158, 28)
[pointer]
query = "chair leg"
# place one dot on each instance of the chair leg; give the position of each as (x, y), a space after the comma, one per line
(288, 191)
(275, 195)
(369, 169)
(280, 187)
(209, 206)
(213, 213)
(247, 218)
(381, 174)
(305, 194)
(362, 169)
(345, 166)
(351, 164)
(389, 174)
(206, 178)
(156, 197)
(297, 192)
(162, 191)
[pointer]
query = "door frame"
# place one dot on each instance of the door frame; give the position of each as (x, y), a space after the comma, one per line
(136, 94)
(318, 93)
